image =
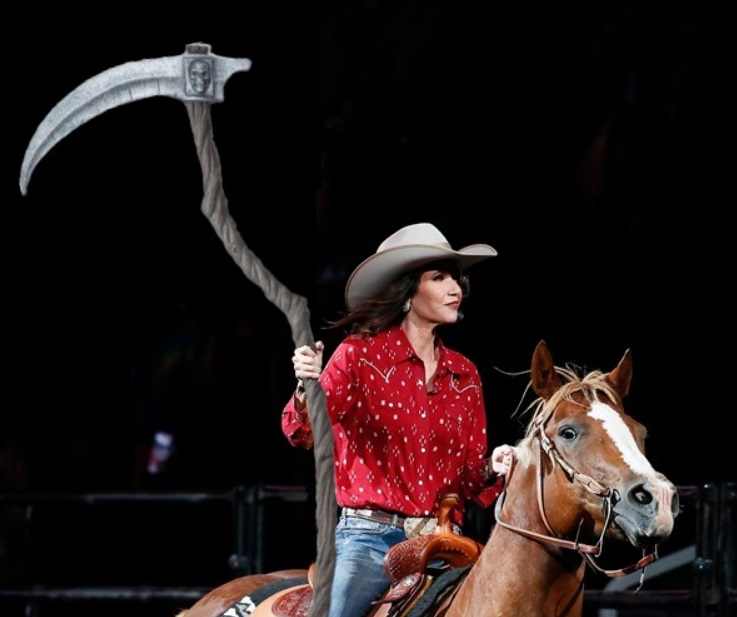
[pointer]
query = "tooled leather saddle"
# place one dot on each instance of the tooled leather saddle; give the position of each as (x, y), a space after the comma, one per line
(412, 566)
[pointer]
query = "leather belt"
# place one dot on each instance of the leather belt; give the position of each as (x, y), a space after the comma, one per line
(412, 525)
(386, 518)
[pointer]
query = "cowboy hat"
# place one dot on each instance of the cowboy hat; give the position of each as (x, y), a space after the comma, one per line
(406, 249)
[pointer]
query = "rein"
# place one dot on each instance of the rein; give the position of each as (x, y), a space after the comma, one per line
(588, 551)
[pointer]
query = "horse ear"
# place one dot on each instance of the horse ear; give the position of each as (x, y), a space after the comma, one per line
(545, 381)
(621, 376)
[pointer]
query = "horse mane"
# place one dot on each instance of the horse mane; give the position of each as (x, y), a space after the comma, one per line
(591, 385)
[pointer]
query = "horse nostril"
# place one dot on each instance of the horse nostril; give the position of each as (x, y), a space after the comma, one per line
(641, 496)
(675, 505)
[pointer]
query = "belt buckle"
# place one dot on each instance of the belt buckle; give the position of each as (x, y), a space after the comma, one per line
(419, 526)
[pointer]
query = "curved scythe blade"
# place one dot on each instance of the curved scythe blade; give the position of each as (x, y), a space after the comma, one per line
(132, 81)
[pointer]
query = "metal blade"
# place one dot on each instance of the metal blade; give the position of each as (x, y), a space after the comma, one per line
(169, 76)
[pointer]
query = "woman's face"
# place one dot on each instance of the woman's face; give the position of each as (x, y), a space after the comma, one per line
(438, 297)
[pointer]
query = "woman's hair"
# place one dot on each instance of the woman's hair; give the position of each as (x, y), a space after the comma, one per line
(386, 309)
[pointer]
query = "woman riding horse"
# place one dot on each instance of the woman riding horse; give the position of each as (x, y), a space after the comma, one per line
(580, 480)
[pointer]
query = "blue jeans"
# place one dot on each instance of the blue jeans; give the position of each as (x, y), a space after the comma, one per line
(359, 578)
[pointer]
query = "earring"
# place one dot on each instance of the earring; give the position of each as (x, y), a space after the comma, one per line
(407, 306)
(460, 316)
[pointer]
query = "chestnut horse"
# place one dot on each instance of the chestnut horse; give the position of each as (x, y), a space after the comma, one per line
(581, 479)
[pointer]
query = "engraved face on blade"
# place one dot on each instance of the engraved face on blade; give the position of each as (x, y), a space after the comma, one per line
(199, 76)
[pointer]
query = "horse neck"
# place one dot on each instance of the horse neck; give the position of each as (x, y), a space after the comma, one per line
(517, 575)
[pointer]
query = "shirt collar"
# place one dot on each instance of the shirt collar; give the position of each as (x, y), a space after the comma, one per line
(395, 338)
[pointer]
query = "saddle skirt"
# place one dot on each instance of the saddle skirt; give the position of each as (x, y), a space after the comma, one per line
(295, 603)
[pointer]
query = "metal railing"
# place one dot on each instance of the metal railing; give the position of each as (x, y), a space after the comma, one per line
(709, 561)
(246, 506)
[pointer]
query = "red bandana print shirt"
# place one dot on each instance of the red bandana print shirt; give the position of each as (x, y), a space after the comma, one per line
(397, 446)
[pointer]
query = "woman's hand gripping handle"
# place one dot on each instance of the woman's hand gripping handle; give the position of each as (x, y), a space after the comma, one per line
(307, 365)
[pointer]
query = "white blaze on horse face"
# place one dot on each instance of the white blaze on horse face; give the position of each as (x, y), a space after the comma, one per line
(623, 439)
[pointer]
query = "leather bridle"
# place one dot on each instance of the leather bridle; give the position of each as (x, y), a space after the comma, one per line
(608, 495)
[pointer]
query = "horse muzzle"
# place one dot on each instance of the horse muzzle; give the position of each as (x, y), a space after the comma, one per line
(646, 512)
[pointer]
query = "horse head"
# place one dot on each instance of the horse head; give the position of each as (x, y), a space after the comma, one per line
(593, 453)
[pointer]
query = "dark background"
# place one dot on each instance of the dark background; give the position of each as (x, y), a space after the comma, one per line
(592, 145)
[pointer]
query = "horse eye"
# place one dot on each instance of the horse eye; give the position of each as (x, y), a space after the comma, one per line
(567, 433)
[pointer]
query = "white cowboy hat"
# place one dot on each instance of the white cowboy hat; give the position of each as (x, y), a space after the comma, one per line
(406, 249)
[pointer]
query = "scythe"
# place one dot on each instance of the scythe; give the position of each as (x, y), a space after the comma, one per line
(198, 78)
